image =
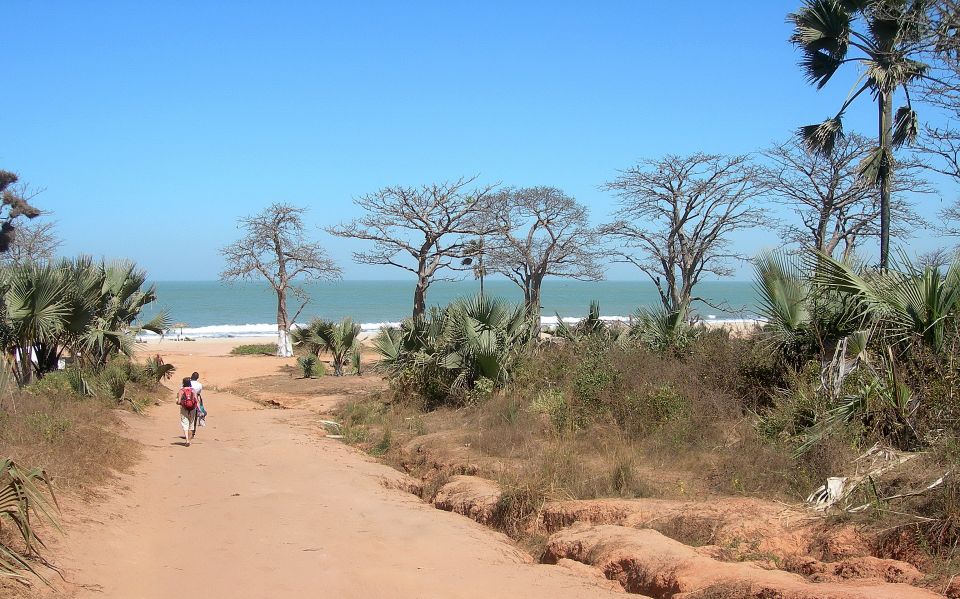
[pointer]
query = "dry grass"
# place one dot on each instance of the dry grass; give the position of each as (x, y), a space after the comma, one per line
(74, 439)
(588, 421)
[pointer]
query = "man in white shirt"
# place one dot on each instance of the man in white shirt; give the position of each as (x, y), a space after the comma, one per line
(198, 391)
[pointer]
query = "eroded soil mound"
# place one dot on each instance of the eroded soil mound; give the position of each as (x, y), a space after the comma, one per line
(646, 561)
(731, 547)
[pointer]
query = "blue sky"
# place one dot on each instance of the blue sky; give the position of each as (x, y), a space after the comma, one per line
(154, 126)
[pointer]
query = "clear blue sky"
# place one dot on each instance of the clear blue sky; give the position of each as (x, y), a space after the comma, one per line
(153, 126)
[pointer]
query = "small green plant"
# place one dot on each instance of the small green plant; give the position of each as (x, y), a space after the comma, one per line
(355, 360)
(51, 427)
(307, 364)
(383, 445)
(156, 369)
(255, 349)
(115, 380)
(553, 404)
(80, 382)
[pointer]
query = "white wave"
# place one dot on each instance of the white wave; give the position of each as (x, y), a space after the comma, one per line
(221, 331)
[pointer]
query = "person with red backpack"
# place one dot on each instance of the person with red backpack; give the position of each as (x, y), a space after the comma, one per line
(188, 402)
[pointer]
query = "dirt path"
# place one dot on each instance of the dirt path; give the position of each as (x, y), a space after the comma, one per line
(262, 506)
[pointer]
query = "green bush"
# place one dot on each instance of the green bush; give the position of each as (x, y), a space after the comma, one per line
(307, 364)
(156, 370)
(52, 384)
(311, 367)
(255, 349)
(553, 404)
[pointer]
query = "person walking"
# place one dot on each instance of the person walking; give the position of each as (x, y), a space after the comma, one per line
(201, 409)
(187, 400)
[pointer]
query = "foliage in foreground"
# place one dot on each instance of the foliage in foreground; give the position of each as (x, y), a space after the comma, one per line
(883, 343)
(22, 505)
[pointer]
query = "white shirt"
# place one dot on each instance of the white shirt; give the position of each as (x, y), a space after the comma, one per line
(197, 387)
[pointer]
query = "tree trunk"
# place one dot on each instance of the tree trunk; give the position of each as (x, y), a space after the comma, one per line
(885, 102)
(820, 237)
(26, 365)
(533, 303)
(284, 348)
(482, 273)
(420, 297)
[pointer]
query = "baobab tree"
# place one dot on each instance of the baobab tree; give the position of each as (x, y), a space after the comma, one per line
(423, 230)
(834, 206)
(13, 206)
(675, 217)
(34, 241)
(274, 247)
(540, 232)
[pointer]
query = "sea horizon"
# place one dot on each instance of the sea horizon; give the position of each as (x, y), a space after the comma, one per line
(211, 309)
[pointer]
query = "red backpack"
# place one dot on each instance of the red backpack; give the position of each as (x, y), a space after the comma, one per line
(188, 399)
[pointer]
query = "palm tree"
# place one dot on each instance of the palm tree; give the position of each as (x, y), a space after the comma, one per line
(35, 305)
(894, 31)
(469, 340)
(90, 310)
(341, 339)
(121, 297)
(473, 253)
(910, 303)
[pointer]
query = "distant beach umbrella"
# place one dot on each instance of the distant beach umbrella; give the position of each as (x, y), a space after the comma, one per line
(180, 326)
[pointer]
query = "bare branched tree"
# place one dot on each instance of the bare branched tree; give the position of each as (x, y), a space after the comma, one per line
(13, 206)
(275, 248)
(34, 242)
(423, 230)
(675, 217)
(835, 206)
(950, 220)
(542, 232)
(941, 143)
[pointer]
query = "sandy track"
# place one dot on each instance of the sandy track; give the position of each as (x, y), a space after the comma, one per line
(261, 506)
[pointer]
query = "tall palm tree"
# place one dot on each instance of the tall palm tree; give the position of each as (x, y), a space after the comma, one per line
(892, 34)
(473, 253)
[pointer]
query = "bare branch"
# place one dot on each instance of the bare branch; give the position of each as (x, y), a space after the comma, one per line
(540, 232)
(275, 248)
(676, 214)
(420, 229)
(833, 203)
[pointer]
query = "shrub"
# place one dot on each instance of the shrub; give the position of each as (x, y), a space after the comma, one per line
(553, 404)
(383, 445)
(49, 426)
(255, 349)
(307, 364)
(115, 380)
(155, 369)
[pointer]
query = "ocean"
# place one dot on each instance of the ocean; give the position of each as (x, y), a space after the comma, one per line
(247, 309)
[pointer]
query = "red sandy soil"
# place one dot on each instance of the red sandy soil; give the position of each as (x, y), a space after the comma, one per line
(261, 505)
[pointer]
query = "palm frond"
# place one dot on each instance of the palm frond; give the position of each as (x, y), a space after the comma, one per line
(906, 126)
(822, 138)
(822, 25)
(819, 66)
(875, 164)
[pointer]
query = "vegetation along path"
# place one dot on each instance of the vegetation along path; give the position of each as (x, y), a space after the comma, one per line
(263, 506)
